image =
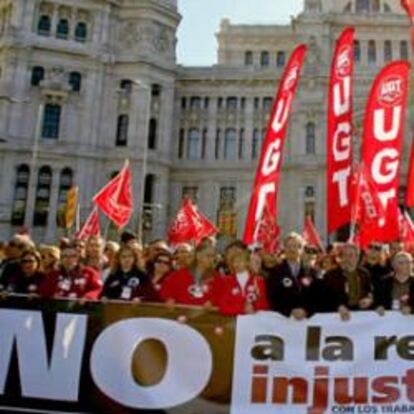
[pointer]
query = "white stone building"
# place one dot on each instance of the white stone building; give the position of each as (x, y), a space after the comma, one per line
(68, 71)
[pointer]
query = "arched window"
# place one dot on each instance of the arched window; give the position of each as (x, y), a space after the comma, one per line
(149, 189)
(230, 144)
(126, 85)
(81, 32)
(38, 74)
(357, 51)
(280, 59)
(372, 51)
(255, 144)
(195, 102)
(231, 102)
(181, 143)
(241, 144)
(65, 183)
(44, 184)
(62, 30)
(193, 144)
(362, 6)
(20, 195)
(248, 58)
(75, 81)
(152, 134)
(44, 25)
(51, 121)
(264, 58)
(122, 131)
(310, 138)
(404, 50)
(155, 90)
(387, 51)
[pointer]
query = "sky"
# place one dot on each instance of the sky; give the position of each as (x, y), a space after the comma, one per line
(201, 20)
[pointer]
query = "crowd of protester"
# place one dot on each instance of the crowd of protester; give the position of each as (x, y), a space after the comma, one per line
(297, 281)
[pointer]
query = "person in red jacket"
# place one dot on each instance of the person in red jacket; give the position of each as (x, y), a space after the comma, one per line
(73, 280)
(240, 292)
(192, 285)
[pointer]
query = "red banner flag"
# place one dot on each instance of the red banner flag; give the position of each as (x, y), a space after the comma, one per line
(267, 176)
(267, 232)
(406, 231)
(91, 227)
(190, 225)
(367, 211)
(339, 142)
(408, 5)
(115, 199)
(311, 235)
(383, 137)
(409, 197)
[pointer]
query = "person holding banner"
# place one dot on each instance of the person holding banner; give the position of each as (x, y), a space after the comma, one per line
(291, 287)
(73, 280)
(192, 285)
(347, 287)
(126, 282)
(396, 291)
(241, 292)
(29, 279)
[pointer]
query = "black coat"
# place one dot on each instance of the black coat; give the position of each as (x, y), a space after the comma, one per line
(286, 292)
(383, 295)
(128, 286)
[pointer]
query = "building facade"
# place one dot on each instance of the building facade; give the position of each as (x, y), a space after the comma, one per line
(85, 84)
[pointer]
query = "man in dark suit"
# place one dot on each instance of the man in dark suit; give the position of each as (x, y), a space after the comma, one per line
(292, 287)
(347, 287)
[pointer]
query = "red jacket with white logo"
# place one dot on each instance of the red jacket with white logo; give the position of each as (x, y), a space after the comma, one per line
(231, 298)
(83, 282)
(183, 289)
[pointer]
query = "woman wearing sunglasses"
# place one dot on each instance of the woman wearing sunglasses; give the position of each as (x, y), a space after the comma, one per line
(28, 280)
(159, 269)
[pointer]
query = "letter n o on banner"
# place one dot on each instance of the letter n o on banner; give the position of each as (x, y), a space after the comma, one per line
(187, 374)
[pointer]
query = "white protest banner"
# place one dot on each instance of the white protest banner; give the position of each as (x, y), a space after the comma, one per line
(324, 365)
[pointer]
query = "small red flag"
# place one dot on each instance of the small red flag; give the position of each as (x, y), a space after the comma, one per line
(91, 227)
(408, 5)
(115, 199)
(406, 231)
(311, 235)
(409, 198)
(267, 231)
(190, 225)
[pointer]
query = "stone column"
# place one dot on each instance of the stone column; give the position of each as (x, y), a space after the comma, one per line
(211, 128)
(248, 127)
(53, 202)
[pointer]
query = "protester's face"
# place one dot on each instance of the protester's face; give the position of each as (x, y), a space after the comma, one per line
(349, 258)
(396, 247)
(270, 260)
(403, 266)
(14, 250)
(183, 256)
(374, 254)
(126, 260)
(293, 249)
(162, 264)
(206, 258)
(231, 254)
(80, 247)
(309, 259)
(94, 248)
(240, 263)
(256, 263)
(29, 264)
(70, 259)
(47, 260)
(110, 253)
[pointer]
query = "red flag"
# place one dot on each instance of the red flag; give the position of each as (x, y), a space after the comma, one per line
(267, 176)
(190, 225)
(267, 232)
(367, 211)
(91, 227)
(406, 231)
(311, 235)
(408, 5)
(115, 199)
(409, 197)
(339, 142)
(383, 137)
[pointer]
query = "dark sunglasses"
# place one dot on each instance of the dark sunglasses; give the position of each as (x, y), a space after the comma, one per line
(167, 263)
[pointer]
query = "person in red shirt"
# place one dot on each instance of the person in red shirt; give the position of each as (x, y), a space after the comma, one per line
(240, 292)
(192, 285)
(73, 280)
